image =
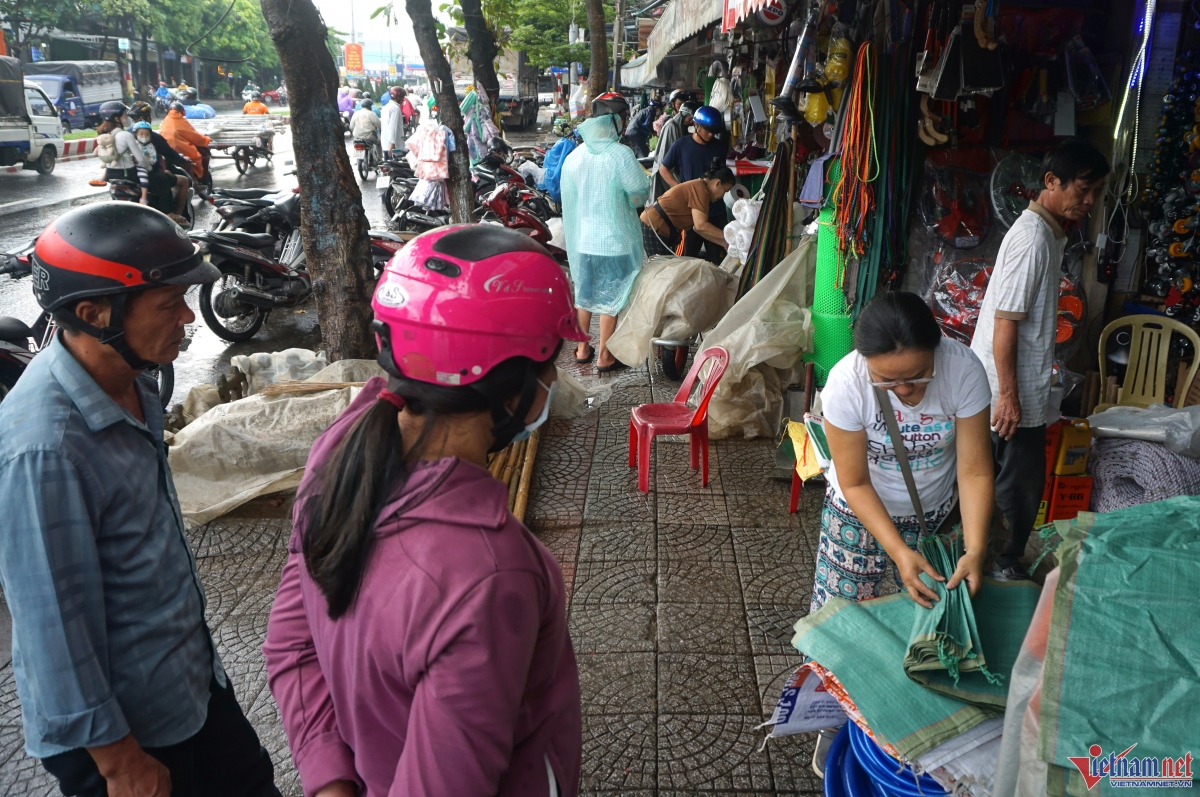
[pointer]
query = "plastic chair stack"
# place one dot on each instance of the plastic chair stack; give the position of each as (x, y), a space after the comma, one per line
(651, 420)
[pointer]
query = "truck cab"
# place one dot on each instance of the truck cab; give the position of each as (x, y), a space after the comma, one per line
(30, 130)
(63, 95)
(77, 88)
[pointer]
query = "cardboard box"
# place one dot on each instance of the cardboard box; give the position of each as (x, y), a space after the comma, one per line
(1053, 438)
(1044, 506)
(1073, 448)
(1071, 495)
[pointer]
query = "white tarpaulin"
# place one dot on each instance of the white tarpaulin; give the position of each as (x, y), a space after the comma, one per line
(673, 298)
(765, 333)
(238, 451)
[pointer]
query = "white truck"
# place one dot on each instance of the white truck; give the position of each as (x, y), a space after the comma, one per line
(30, 130)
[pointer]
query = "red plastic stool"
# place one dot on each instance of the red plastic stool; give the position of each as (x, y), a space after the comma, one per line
(650, 420)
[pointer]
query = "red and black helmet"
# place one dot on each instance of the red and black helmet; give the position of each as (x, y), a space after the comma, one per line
(610, 102)
(112, 249)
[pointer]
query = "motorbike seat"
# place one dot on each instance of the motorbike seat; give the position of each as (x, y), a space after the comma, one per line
(252, 239)
(14, 330)
(244, 193)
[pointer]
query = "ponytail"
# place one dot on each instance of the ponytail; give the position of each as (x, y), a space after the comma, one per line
(350, 490)
(369, 467)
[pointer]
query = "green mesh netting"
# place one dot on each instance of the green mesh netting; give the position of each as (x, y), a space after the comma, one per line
(833, 338)
(827, 294)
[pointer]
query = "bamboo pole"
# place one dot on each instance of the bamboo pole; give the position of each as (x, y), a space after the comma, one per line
(526, 477)
(282, 388)
(514, 459)
(513, 473)
(791, 194)
(499, 460)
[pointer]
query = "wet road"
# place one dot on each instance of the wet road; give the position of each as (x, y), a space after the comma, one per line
(208, 356)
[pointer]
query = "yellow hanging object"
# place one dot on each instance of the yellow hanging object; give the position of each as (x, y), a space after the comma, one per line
(816, 108)
(807, 464)
(1185, 285)
(837, 68)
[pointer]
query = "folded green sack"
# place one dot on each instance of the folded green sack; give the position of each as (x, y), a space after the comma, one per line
(944, 648)
(865, 645)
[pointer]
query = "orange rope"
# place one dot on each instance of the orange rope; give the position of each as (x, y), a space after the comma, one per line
(853, 197)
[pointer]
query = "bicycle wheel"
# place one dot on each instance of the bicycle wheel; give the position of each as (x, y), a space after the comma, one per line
(241, 159)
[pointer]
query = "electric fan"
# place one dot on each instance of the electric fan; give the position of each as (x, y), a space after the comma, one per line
(1015, 180)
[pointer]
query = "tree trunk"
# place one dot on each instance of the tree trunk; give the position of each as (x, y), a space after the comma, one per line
(481, 49)
(333, 224)
(462, 198)
(598, 44)
(145, 62)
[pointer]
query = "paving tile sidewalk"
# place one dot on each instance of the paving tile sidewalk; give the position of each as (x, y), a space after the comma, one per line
(681, 607)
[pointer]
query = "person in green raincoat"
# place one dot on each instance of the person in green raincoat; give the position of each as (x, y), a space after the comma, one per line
(602, 188)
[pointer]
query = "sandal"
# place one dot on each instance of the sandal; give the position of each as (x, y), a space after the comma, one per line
(605, 369)
(591, 356)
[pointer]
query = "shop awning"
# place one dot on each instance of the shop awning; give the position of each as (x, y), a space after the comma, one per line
(681, 20)
(737, 10)
(635, 74)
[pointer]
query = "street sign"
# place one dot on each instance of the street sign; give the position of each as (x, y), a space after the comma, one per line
(169, 55)
(123, 44)
(36, 54)
(558, 70)
(391, 70)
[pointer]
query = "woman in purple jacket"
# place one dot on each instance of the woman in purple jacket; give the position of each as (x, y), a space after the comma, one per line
(418, 644)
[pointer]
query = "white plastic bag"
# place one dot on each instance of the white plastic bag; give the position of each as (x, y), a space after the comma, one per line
(576, 102)
(572, 398)
(1177, 429)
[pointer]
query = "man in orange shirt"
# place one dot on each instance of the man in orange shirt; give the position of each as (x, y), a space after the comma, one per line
(184, 139)
(255, 105)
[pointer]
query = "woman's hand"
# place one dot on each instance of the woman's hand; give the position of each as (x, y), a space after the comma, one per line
(911, 565)
(970, 567)
(339, 788)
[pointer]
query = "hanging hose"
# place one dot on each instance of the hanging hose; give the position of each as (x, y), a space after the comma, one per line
(853, 195)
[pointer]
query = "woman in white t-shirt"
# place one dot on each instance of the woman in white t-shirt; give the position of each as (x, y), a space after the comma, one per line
(940, 395)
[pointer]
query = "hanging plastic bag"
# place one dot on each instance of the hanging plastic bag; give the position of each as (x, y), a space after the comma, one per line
(957, 295)
(577, 102)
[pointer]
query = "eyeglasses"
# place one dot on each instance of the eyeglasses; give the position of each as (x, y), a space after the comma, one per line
(922, 380)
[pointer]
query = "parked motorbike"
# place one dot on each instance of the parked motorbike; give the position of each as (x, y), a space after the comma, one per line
(253, 281)
(19, 342)
(122, 190)
(256, 210)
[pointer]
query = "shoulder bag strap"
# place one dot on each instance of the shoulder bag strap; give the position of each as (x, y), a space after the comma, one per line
(901, 451)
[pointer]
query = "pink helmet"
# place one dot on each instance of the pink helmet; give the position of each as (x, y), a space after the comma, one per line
(459, 300)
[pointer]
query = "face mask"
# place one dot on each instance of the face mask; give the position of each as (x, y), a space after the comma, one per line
(143, 140)
(525, 433)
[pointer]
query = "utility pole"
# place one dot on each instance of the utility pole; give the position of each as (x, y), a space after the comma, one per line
(618, 43)
(572, 37)
(353, 35)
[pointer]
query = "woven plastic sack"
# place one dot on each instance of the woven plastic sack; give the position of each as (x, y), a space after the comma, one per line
(864, 646)
(945, 652)
(1122, 651)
